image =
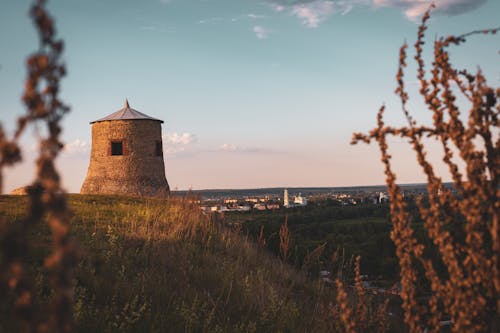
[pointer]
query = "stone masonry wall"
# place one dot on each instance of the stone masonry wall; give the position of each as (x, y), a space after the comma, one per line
(138, 172)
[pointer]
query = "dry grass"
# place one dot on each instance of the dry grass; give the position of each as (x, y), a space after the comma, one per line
(152, 265)
(358, 312)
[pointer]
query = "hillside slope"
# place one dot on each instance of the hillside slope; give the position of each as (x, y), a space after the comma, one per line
(161, 266)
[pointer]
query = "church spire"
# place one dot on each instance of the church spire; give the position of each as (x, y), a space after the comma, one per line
(126, 104)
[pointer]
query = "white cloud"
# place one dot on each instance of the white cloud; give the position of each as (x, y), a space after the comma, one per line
(178, 144)
(232, 148)
(156, 27)
(173, 150)
(250, 16)
(260, 32)
(228, 147)
(76, 146)
(278, 8)
(312, 12)
(179, 139)
(211, 20)
(413, 9)
(255, 16)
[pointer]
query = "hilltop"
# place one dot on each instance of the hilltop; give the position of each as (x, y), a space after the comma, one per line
(160, 265)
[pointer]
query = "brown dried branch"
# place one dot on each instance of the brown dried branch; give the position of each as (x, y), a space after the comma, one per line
(285, 238)
(469, 290)
(345, 309)
(47, 199)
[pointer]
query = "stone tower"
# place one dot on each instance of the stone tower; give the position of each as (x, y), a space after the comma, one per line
(126, 156)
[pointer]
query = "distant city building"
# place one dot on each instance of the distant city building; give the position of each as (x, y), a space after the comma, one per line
(242, 208)
(382, 197)
(259, 206)
(286, 203)
(223, 208)
(300, 200)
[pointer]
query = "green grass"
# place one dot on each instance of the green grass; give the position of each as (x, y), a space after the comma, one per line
(362, 230)
(162, 266)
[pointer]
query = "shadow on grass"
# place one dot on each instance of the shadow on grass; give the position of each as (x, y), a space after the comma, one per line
(162, 266)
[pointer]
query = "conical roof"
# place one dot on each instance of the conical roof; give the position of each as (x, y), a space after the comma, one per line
(126, 113)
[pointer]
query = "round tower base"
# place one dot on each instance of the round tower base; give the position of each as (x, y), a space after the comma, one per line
(141, 188)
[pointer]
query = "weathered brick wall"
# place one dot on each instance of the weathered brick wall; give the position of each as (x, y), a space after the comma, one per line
(138, 172)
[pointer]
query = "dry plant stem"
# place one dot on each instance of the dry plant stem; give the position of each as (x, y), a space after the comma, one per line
(361, 316)
(469, 291)
(345, 310)
(314, 255)
(285, 238)
(261, 241)
(45, 71)
(361, 307)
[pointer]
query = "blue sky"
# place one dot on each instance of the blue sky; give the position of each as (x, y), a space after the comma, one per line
(253, 93)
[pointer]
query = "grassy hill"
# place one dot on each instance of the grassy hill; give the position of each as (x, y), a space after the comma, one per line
(362, 230)
(162, 266)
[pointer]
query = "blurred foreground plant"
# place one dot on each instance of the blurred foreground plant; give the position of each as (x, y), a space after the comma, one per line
(462, 223)
(47, 199)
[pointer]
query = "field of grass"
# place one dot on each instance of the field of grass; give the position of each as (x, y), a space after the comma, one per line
(362, 230)
(162, 266)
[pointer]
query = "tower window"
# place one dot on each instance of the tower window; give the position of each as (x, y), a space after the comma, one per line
(158, 149)
(116, 148)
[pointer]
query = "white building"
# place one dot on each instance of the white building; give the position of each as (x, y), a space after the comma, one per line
(300, 200)
(286, 203)
(382, 197)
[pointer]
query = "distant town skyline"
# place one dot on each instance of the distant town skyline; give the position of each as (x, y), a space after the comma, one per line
(254, 94)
